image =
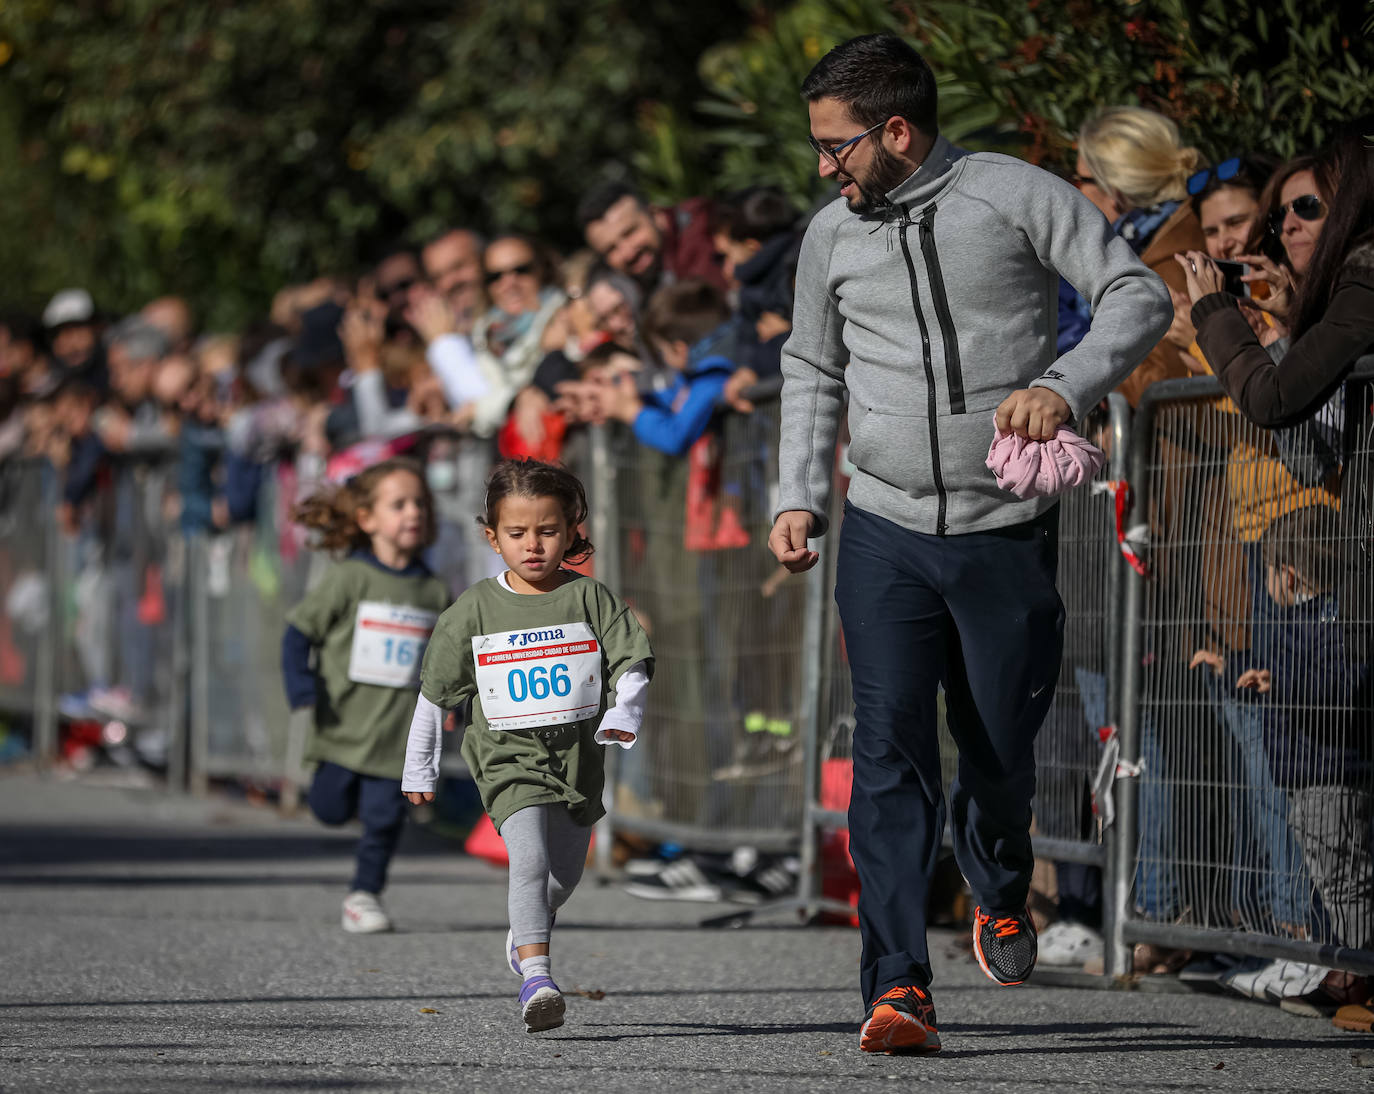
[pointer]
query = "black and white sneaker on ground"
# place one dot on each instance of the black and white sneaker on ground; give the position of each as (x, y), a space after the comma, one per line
(679, 880)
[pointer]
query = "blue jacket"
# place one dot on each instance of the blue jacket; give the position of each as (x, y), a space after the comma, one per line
(1317, 713)
(674, 417)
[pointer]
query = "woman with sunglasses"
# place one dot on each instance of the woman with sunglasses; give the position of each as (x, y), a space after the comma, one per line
(508, 339)
(1329, 238)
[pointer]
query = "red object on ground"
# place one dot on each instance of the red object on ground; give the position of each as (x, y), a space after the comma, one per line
(485, 842)
(839, 880)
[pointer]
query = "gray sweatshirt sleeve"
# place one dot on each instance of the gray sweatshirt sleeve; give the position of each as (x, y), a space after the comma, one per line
(1131, 306)
(813, 389)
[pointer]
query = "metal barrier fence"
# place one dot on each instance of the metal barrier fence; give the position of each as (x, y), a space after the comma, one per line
(1247, 686)
(722, 759)
(118, 614)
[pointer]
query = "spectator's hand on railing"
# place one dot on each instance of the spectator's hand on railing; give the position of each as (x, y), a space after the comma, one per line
(461, 417)
(1261, 680)
(430, 313)
(1034, 413)
(735, 387)
(788, 540)
(1210, 658)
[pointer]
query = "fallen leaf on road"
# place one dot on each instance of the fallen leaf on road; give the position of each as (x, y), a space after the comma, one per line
(595, 993)
(1219, 1066)
(428, 1010)
(824, 1053)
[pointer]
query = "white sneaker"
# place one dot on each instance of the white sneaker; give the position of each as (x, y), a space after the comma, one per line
(1067, 943)
(363, 914)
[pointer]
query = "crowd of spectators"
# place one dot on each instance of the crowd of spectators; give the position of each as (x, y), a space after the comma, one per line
(669, 317)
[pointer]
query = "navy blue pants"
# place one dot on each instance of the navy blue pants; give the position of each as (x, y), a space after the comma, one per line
(337, 795)
(979, 615)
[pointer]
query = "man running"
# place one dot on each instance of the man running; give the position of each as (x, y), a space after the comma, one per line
(927, 295)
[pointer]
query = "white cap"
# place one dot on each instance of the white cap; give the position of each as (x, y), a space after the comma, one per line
(69, 306)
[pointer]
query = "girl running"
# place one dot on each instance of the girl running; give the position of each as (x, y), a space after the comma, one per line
(368, 621)
(558, 666)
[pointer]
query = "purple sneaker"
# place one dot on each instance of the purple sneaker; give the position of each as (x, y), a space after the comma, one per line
(541, 1004)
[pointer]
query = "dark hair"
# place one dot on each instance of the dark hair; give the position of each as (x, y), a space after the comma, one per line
(877, 76)
(684, 312)
(1306, 539)
(597, 201)
(478, 240)
(758, 212)
(536, 479)
(1345, 177)
(333, 512)
(602, 355)
(23, 328)
(1253, 173)
(392, 249)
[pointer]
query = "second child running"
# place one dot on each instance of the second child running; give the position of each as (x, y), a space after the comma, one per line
(367, 621)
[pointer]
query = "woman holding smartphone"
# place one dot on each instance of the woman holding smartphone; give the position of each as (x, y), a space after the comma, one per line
(1324, 217)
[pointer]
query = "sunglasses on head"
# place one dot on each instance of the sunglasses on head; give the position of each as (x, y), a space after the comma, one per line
(493, 276)
(1222, 172)
(1306, 207)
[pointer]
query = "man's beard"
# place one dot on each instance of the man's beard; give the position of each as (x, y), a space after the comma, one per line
(885, 174)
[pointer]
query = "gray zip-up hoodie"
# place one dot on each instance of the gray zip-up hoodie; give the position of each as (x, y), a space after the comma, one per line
(934, 311)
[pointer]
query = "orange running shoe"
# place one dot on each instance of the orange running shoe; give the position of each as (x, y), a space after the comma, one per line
(901, 1020)
(1005, 946)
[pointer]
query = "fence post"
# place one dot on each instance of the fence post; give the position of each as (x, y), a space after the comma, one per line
(198, 778)
(1116, 882)
(813, 658)
(1122, 862)
(50, 644)
(603, 516)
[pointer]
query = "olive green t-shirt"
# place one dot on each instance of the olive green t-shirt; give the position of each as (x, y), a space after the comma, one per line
(534, 764)
(358, 725)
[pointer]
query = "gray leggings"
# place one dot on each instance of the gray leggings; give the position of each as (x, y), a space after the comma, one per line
(547, 850)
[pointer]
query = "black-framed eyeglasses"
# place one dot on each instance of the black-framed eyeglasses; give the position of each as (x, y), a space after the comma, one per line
(832, 152)
(525, 268)
(1306, 207)
(1222, 172)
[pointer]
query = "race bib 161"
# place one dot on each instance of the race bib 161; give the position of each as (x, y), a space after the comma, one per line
(389, 643)
(544, 677)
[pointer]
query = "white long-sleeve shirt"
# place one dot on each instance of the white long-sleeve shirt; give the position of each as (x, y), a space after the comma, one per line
(454, 361)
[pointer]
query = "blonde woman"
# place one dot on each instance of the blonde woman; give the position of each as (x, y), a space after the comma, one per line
(1138, 161)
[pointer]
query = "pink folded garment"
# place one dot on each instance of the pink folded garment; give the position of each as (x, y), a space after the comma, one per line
(1041, 469)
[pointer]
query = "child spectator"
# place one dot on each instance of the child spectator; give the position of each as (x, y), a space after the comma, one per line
(688, 325)
(1317, 717)
(368, 620)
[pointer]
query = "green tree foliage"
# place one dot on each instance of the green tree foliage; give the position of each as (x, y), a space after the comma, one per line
(1023, 75)
(224, 147)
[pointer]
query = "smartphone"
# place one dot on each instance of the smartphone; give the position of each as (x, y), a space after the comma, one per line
(1233, 272)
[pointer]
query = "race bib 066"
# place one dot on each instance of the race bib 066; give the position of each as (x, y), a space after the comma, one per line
(538, 678)
(389, 643)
